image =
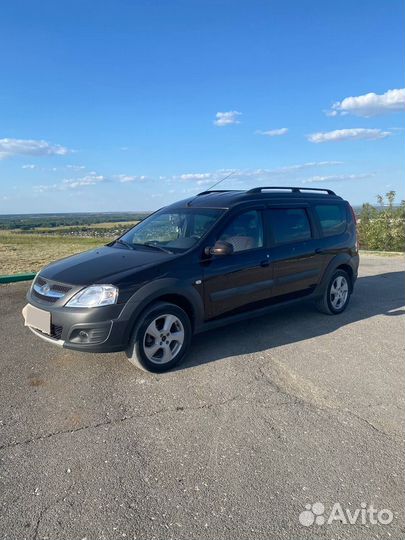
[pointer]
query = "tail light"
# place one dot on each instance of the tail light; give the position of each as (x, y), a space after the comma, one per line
(355, 226)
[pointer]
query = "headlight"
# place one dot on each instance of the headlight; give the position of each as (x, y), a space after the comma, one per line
(94, 296)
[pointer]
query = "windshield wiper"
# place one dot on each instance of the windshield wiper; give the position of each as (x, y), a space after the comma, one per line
(133, 245)
(123, 243)
(160, 248)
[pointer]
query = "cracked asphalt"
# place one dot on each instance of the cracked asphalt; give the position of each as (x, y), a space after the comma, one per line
(264, 417)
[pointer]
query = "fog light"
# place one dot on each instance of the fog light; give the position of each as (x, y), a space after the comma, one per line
(84, 336)
(90, 336)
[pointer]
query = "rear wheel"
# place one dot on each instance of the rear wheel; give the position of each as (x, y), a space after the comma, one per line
(161, 339)
(336, 295)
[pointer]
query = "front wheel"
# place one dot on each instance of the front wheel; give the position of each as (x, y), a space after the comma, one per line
(337, 294)
(161, 339)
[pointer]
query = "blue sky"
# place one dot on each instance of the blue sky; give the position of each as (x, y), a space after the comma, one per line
(133, 104)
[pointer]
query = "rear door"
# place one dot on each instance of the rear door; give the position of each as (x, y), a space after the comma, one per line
(245, 277)
(297, 265)
(336, 235)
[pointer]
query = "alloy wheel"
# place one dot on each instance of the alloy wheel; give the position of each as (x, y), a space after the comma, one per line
(339, 292)
(163, 339)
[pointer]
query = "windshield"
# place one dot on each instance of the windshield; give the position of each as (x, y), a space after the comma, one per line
(174, 231)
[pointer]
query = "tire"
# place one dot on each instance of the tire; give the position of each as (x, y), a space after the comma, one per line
(161, 338)
(337, 294)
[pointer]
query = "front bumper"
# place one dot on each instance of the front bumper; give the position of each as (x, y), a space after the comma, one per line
(45, 337)
(92, 330)
(100, 329)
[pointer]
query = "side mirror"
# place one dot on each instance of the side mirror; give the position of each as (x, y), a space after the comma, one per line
(220, 248)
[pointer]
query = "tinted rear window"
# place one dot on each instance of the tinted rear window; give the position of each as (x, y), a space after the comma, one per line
(289, 225)
(332, 218)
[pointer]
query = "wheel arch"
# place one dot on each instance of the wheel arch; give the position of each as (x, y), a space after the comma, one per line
(179, 300)
(169, 290)
(339, 262)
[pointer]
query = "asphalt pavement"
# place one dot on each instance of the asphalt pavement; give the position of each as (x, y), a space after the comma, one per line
(265, 417)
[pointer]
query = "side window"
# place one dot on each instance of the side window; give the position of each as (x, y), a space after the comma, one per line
(332, 218)
(245, 231)
(202, 222)
(289, 225)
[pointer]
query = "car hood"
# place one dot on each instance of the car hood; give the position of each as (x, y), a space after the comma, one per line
(101, 265)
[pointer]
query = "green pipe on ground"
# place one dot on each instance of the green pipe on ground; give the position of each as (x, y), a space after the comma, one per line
(17, 277)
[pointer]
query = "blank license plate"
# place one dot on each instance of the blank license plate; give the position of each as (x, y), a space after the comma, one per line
(37, 318)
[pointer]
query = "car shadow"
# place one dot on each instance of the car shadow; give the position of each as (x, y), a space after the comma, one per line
(381, 294)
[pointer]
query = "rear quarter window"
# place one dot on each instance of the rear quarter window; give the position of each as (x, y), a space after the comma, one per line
(332, 217)
(289, 225)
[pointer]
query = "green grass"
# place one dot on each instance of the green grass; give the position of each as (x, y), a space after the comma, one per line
(30, 252)
(382, 253)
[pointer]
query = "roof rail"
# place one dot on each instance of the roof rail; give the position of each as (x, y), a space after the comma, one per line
(292, 189)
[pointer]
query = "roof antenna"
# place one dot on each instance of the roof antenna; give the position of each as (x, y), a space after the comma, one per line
(213, 185)
(220, 181)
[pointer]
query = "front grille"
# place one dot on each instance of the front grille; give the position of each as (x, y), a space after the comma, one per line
(60, 288)
(56, 331)
(48, 291)
(43, 297)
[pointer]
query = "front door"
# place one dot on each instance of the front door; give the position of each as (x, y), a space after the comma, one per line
(245, 276)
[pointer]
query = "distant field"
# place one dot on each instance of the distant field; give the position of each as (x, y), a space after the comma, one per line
(29, 222)
(52, 237)
(64, 228)
(29, 252)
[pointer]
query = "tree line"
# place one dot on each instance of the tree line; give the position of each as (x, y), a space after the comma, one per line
(382, 227)
(31, 222)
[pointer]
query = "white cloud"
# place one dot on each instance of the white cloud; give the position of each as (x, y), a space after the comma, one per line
(29, 147)
(206, 181)
(216, 175)
(227, 118)
(75, 167)
(41, 188)
(273, 132)
(90, 179)
(253, 176)
(347, 135)
(29, 166)
(337, 178)
(370, 104)
(124, 178)
(307, 165)
(195, 176)
(241, 178)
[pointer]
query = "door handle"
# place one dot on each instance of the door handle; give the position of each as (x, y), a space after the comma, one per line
(318, 251)
(264, 263)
